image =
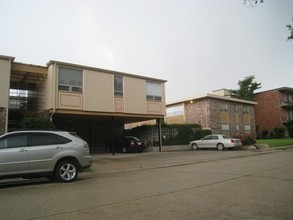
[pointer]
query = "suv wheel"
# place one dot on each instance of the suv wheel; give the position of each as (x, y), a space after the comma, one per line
(66, 171)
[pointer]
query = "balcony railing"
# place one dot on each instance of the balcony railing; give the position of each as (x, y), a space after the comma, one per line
(287, 103)
(285, 119)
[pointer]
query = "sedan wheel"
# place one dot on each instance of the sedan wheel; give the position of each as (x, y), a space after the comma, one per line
(220, 147)
(66, 171)
(194, 147)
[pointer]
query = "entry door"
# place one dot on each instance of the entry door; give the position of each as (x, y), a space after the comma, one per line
(14, 154)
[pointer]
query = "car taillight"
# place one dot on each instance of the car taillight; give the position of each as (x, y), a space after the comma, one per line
(232, 141)
(132, 144)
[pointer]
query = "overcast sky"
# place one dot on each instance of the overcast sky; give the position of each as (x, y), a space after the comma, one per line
(196, 45)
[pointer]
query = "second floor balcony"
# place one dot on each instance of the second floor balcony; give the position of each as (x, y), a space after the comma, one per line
(287, 103)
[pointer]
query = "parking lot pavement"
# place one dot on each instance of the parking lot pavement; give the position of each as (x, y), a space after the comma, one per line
(203, 184)
(104, 163)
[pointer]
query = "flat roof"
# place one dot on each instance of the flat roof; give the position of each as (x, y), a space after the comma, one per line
(284, 89)
(51, 62)
(3, 57)
(208, 95)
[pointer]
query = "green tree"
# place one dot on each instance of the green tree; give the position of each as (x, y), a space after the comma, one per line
(246, 88)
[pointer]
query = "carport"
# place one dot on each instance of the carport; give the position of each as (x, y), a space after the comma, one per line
(98, 130)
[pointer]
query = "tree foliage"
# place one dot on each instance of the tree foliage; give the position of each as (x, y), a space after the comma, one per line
(246, 88)
(290, 28)
(253, 3)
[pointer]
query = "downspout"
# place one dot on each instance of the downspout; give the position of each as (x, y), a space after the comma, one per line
(7, 107)
(51, 113)
(53, 92)
(206, 113)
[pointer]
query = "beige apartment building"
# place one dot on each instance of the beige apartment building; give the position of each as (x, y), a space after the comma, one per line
(218, 112)
(95, 103)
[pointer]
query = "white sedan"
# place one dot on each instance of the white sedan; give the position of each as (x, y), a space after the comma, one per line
(218, 141)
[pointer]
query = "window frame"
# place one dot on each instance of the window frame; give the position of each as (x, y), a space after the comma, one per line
(70, 87)
(225, 127)
(5, 139)
(118, 92)
(224, 107)
(175, 110)
(247, 127)
(54, 139)
(152, 93)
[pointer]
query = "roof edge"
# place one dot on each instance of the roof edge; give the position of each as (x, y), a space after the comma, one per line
(284, 88)
(52, 62)
(3, 57)
(208, 95)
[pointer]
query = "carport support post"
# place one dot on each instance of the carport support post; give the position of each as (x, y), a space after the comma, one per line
(160, 133)
(113, 139)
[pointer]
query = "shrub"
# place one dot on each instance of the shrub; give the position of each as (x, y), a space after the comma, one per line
(279, 132)
(258, 134)
(290, 128)
(183, 135)
(186, 133)
(201, 133)
(246, 138)
(37, 122)
(264, 134)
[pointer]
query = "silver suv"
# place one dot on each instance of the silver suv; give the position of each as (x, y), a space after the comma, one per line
(53, 154)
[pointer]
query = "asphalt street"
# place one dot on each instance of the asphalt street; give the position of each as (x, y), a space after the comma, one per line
(204, 184)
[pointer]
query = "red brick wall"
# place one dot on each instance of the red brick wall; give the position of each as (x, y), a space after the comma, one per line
(268, 111)
(198, 112)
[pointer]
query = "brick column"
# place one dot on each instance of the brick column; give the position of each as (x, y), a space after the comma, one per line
(2, 120)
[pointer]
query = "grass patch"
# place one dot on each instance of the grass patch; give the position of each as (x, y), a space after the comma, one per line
(276, 142)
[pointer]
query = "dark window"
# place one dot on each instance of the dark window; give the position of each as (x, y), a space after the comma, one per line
(47, 139)
(14, 141)
(57, 139)
(207, 138)
(40, 139)
(118, 86)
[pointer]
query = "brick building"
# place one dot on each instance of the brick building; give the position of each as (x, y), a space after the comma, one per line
(274, 108)
(218, 111)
